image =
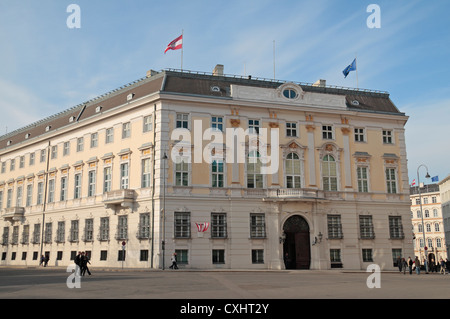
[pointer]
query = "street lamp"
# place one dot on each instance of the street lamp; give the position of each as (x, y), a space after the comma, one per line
(421, 214)
(164, 211)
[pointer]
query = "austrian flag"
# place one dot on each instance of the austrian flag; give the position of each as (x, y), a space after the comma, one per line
(175, 44)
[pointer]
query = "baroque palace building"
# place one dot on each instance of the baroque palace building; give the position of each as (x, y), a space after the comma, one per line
(312, 172)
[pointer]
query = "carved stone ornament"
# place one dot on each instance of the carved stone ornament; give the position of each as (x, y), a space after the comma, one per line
(235, 122)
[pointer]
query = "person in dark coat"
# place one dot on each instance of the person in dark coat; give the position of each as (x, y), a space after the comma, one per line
(84, 262)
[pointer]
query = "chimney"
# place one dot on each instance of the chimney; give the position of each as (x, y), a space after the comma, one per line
(151, 73)
(218, 70)
(321, 83)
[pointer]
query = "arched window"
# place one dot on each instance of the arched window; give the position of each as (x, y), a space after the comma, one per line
(329, 173)
(420, 228)
(254, 176)
(427, 213)
(428, 228)
(436, 227)
(419, 214)
(293, 172)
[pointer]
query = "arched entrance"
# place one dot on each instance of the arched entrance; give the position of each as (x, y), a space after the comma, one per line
(296, 244)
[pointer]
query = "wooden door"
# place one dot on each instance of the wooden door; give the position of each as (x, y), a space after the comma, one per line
(302, 252)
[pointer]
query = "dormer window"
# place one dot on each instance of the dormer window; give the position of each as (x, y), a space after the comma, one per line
(48, 128)
(290, 93)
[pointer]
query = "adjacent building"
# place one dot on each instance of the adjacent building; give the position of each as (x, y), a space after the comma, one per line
(444, 192)
(225, 171)
(429, 222)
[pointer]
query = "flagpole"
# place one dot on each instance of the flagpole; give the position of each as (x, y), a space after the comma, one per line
(182, 46)
(356, 64)
(274, 60)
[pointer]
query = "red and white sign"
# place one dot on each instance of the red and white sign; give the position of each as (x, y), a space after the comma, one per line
(175, 44)
(202, 227)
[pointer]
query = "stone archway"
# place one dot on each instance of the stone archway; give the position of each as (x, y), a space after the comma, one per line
(297, 243)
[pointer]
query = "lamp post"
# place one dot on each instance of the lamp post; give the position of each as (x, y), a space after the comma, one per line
(421, 214)
(164, 211)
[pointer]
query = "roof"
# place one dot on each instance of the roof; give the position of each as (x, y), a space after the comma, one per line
(192, 83)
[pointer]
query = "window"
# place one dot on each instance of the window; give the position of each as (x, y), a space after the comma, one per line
(48, 233)
(43, 156)
(32, 155)
(19, 196)
(91, 180)
(335, 258)
(218, 256)
(395, 227)
(66, 148)
(51, 190)
(103, 255)
(391, 182)
(329, 173)
(124, 176)
(89, 229)
(182, 256)
(36, 233)
(217, 173)
(181, 173)
(60, 232)
(144, 226)
(292, 166)
(63, 193)
(433, 200)
(359, 135)
(1, 200)
(146, 171)
(334, 227)
(427, 212)
(217, 123)
(257, 226)
(12, 165)
(387, 137)
(29, 195)
(26, 234)
(435, 212)
(22, 162)
(104, 228)
(107, 176)
(77, 188)
(54, 152)
(363, 183)
(218, 225)
(425, 200)
(436, 227)
(254, 176)
(367, 255)
(428, 227)
(291, 129)
(257, 256)
(253, 126)
(80, 144)
(4, 167)
(366, 227)
(122, 228)
(147, 124)
(74, 231)
(9, 198)
(40, 193)
(182, 225)
(109, 135)
(289, 93)
(126, 130)
(182, 121)
(327, 132)
(94, 140)
(143, 255)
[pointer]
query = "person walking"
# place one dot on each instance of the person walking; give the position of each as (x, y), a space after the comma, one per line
(447, 265)
(442, 266)
(399, 264)
(404, 265)
(84, 262)
(42, 260)
(417, 264)
(410, 265)
(77, 262)
(174, 261)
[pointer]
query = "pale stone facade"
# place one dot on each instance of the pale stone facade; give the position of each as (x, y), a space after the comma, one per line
(339, 196)
(434, 223)
(444, 192)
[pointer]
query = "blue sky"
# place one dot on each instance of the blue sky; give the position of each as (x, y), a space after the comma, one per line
(46, 67)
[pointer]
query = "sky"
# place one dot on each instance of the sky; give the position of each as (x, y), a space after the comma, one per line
(53, 57)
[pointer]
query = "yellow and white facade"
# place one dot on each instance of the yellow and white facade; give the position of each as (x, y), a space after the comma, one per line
(113, 177)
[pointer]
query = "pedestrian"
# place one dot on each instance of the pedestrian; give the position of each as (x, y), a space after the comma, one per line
(417, 265)
(404, 265)
(399, 264)
(84, 262)
(42, 260)
(410, 265)
(174, 261)
(447, 265)
(287, 261)
(442, 267)
(47, 258)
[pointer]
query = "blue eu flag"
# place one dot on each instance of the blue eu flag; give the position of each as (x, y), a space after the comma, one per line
(351, 67)
(435, 179)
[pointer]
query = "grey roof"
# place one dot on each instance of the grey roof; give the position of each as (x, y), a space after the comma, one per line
(193, 83)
